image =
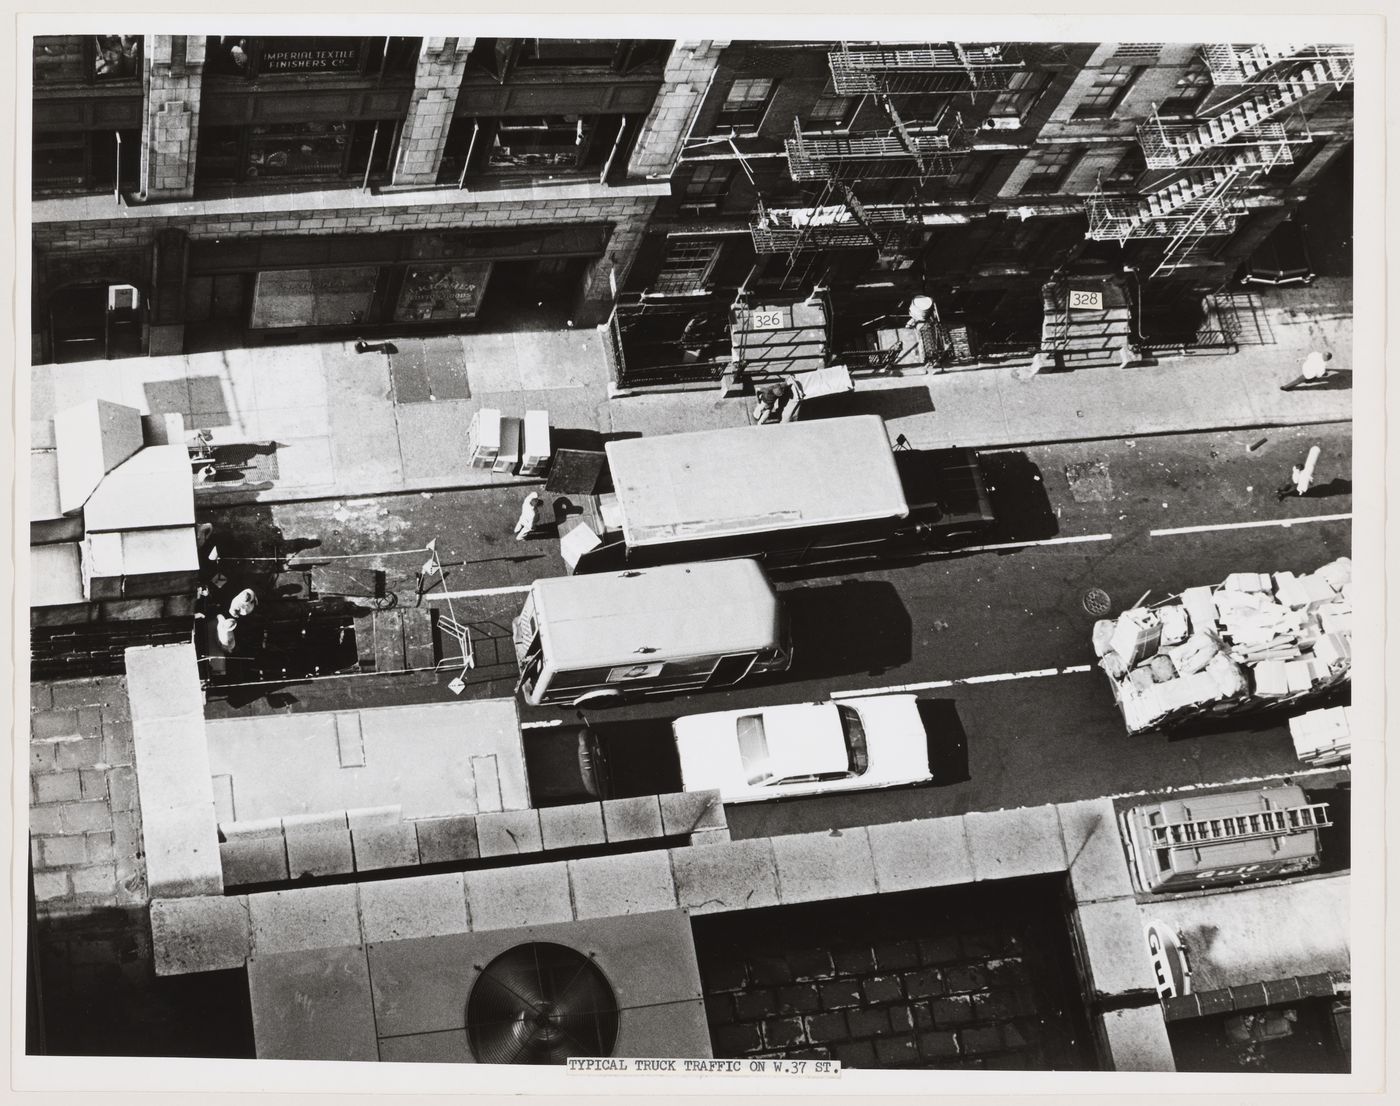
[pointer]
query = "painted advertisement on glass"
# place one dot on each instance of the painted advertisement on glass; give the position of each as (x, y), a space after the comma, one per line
(432, 292)
(310, 55)
(313, 297)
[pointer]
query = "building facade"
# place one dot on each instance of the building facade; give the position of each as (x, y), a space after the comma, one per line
(973, 174)
(247, 190)
(196, 193)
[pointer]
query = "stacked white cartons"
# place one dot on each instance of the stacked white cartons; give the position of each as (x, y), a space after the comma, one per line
(1254, 639)
(484, 438)
(1322, 737)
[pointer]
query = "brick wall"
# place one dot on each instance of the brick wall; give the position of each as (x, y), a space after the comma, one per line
(84, 821)
(960, 980)
(436, 83)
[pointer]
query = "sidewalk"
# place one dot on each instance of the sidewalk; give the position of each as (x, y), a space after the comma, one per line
(349, 424)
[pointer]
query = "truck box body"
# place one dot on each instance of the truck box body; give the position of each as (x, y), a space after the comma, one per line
(781, 492)
(746, 480)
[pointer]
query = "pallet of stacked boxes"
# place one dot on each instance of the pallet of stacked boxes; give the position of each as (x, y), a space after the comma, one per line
(1252, 642)
(1322, 737)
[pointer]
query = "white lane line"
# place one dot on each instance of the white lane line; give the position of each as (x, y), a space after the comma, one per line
(928, 685)
(479, 591)
(1284, 522)
(939, 553)
(541, 725)
(1021, 544)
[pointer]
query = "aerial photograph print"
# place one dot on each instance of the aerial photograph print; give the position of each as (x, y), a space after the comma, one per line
(820, 561)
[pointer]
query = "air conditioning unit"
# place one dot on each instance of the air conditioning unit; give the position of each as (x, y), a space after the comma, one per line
(1002, 123)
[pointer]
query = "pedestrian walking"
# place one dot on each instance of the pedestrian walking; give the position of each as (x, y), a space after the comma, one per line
(531, 516)
(1302, 476)
(1314, 370)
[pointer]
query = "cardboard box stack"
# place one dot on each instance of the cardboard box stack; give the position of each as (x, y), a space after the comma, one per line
(1253, 640)
(1322, 737)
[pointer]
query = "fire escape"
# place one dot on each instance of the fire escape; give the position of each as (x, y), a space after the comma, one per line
(921, 68)
(838, 219)
(1213, 160)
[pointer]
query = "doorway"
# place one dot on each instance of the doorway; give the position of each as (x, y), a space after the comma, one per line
(538, 294)
(96, 322)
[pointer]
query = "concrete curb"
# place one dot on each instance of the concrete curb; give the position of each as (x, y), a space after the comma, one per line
(234, 499)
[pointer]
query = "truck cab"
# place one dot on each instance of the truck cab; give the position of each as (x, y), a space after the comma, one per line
(949, 500)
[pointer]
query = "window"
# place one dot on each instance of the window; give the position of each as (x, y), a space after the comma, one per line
(1130, 167)
(568, 51)
(85, 161)
(1023, 90)
(280, 151)
(313, 297)
(972, 174)
(830, 113)
(635, 672)
(1051, 168)
(854, 730)
(499, 56)
(86, 59)
(745, 103)
(686, 266)
(708, 184)
(1190, 90)
(283, 56)
(433, 292)
(1107, 91)
(753, 749)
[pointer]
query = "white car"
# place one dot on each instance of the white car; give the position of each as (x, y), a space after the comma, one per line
(804, 749)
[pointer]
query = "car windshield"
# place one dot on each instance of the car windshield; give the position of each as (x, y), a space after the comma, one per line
(753, 749)
(854, 730)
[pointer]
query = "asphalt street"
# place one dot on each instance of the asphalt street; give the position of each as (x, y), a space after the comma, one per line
(986, 633)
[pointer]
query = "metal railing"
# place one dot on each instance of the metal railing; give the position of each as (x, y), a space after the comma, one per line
(875, 156)
(922, 68)
(1266, 63)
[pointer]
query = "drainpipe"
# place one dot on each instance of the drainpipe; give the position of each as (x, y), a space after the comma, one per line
(369, 162)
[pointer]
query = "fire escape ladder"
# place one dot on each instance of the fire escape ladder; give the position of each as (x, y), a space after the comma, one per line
(857, 210)
(1201, 222)
(904, 136)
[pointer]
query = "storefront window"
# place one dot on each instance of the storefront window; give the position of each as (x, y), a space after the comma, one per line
(313, 297)
(243, 56)
(434, 292)
(86, 58)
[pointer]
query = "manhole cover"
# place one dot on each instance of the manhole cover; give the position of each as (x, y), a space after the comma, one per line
(1097, 602)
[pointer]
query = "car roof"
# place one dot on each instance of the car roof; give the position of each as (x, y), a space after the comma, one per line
(803, 739)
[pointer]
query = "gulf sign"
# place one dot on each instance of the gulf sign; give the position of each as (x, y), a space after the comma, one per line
(1169, 964)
